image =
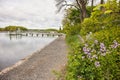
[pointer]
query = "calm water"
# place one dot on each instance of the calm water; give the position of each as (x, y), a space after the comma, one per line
(15, 48)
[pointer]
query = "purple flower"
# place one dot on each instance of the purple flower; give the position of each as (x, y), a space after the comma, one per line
(89, 56)
(86, 50)
(97, 63)
(102, 45)
(102, 48)
(115, 45)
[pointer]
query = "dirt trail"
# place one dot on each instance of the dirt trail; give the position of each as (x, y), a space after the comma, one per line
(41, 64)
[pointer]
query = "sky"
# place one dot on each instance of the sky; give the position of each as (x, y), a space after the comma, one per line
(40, 14)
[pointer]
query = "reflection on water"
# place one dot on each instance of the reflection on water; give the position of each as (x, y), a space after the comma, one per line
(14, 48)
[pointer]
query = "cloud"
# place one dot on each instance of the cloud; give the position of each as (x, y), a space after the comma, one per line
(29, 13)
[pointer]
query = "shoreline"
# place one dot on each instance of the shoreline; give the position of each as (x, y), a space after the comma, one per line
(40, 64)
(21, 61)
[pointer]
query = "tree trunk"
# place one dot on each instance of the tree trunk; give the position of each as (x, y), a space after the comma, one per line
(102, 2)
(92, 3)
(119, 6)
(84, 11)
(82, 8)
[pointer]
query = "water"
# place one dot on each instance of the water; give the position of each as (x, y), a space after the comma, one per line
(15, 48)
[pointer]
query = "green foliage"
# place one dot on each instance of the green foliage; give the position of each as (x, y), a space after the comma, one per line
(90, 25)
(95, 55)
(57, 74)
(71, 29)
(108, 35)
(89, 60)
(48, 30)
(14, 28)
(102, 19)
(73, 16)
(89, 9)
(1, 29)
(71, 22)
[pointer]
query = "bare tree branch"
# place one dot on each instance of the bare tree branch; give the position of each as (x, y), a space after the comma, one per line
(81, 6)
(60, 2)
(78, 4)
(71, 5)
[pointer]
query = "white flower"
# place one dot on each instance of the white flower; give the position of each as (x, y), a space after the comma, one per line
(95, 56)
(97, 63)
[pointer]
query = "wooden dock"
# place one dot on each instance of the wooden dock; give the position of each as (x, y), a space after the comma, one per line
(35, 34)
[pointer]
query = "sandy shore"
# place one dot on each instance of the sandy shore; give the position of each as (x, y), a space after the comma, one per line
(40, 65)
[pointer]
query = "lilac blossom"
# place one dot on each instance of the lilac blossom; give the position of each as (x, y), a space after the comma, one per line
(89, 56)
(102, 48)
(115, 45)
(97, 63)
(86, 50)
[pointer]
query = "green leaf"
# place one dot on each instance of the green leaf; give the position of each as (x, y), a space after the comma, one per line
(108, 11)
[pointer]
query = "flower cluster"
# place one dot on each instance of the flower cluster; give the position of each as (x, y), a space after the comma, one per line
(102, 48)
(115, 44)
(86, 50)
(92, 52)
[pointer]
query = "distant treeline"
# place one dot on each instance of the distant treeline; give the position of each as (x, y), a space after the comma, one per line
(13, 28)
(21, 28)
(43, 30)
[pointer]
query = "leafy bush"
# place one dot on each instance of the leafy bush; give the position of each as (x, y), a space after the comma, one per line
(90, 61)
(102, 19)
(71, 29)
(95, 55)
(108, 35)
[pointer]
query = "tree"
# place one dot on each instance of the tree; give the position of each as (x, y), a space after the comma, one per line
(119, 6)
(92, 4)
(14, 28)
(102, 2)
(79, 4)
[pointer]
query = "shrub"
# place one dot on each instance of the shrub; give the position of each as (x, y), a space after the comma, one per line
(71, 29)
(90, 61)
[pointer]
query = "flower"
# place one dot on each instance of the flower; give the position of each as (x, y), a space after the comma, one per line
(103, 54)
(83, 57)
(102, 48)
(97, 63)
(86, 50)
(80, 77)
(86, 45)
(115, 45)
(96, 41)
(102, 45)
(95, 56)
(89, 56)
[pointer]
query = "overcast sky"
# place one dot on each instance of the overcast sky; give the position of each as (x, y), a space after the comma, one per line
(29, 13)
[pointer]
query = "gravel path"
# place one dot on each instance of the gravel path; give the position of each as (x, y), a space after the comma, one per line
(41, 64)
